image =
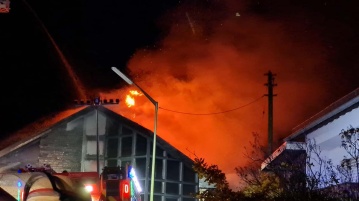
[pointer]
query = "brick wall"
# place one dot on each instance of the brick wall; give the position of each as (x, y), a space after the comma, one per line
(62, 149)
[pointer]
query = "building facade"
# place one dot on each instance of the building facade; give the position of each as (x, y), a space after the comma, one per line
(72, 144)
(320, 139)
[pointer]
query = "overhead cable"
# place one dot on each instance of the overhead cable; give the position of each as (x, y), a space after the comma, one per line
(213, 113)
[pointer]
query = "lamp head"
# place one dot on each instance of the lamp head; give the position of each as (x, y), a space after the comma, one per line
(123, 76)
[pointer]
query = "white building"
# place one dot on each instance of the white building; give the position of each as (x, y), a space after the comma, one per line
(324, 131)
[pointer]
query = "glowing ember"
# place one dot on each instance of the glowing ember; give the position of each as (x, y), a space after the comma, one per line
(130, 99)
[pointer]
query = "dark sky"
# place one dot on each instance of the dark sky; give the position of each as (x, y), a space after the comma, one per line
(92, 37)
(195, 56)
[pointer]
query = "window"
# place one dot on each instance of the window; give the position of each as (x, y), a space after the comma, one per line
(188, 174)
(172, 188)
(189, 189)
(126, 131)
(158, 187)
(111, 163)
(159, 150)
(141, 145)
(112, 147)
(173, 170)
(125, 162)
(126, 146)
(141, 167)
(156, 198)
(159, 168)
(112, 128)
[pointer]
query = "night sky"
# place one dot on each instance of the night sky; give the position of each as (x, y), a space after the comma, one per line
(195, 57)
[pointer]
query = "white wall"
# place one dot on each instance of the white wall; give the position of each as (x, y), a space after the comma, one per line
(328, 140)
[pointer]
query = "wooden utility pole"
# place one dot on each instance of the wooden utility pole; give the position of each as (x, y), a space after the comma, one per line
(270, 95)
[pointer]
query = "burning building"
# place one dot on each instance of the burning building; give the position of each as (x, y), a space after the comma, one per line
(95, 137)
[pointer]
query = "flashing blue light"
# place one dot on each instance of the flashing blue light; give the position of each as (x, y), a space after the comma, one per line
(97, 101)
(133, 176)
(19, 184)
(129, 173)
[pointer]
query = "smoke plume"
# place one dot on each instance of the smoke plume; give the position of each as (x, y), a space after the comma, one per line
(207, 75)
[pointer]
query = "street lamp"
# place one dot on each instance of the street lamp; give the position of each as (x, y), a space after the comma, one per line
(155, 103)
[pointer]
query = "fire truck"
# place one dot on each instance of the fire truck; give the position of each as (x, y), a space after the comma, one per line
(119, 185)
(42, 184)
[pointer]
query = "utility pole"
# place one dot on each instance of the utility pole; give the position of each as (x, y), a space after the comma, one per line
(270, 84)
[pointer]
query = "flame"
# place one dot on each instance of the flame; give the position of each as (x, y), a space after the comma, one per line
(135, 93)
(130, 98)
(130, 101)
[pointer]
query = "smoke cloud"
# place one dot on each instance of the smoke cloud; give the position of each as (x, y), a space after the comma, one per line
(211, 66)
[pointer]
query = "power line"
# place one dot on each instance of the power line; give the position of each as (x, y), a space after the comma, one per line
(213, 113)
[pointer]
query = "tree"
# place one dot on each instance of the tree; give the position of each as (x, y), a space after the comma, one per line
(285, 179)
(212, 175)
(349, 168)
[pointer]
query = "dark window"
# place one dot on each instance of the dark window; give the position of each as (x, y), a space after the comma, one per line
(172, 188)
(189, 189)
(141, 167)
(169, 156)
(126, 146)
(156, 198)
(173, 170)
(159, 168)
(158, 187)
(112, 147)
(188, 174)
(112, 128)
(125, 162)
(159, 150)
(111, 163)
(141, 145)
(126, 131)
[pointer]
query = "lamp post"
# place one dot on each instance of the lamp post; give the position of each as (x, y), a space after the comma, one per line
(155, 103)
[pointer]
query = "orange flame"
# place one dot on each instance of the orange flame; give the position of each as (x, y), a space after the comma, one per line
(130, 98)
(130, 101)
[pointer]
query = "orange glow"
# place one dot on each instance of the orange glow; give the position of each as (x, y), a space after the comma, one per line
(222, 67)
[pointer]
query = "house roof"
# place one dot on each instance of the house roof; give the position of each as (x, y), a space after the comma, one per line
(292, 148)
(328, 114)
(38, 129)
